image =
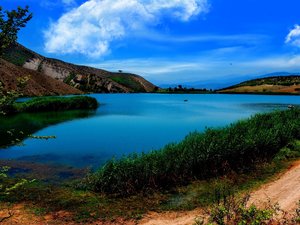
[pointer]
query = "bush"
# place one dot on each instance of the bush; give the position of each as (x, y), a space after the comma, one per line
(233, 210)
(237, 210)
(236, 147)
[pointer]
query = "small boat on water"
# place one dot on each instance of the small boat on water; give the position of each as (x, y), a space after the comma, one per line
(291, 106)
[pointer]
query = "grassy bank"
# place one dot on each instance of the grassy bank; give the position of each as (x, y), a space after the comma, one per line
(55, 104)
(216, 152)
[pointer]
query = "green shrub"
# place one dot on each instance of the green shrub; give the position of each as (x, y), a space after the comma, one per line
(8, 185)
(236, 147)
(69, 78)
(235, 211)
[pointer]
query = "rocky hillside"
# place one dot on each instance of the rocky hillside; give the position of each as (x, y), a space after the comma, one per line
(38, 84)
(274, 85)
(87, 79)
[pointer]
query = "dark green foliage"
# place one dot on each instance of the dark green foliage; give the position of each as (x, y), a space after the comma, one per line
(236, 147)
(56, 104)
(291, 151)
(184, 90)
(238, 210)
(7, 98)
(16, 55)
(9, 185)
(235, 211)
(71, 76)
(40, 67)
(10, 24)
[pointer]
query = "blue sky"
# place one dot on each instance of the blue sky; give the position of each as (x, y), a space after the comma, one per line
(174, 41)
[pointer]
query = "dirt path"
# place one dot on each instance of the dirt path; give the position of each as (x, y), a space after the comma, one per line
(285, 191)
(172, 218)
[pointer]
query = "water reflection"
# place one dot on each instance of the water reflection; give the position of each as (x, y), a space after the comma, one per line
(21, 125)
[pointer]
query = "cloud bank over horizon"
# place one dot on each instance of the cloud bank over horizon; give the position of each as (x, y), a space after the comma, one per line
(91, 28)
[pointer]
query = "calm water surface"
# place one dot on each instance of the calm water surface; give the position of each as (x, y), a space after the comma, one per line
(126, 123)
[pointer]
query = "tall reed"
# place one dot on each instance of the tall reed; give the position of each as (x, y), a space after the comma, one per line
(214, 152)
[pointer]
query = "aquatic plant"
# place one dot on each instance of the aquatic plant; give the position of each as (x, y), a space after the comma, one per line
(8, 184)
(56, 104)
(215, 152)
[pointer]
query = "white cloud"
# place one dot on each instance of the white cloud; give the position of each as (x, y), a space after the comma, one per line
(294, 36)
(92, 27)
(233, 39)
(284, 62)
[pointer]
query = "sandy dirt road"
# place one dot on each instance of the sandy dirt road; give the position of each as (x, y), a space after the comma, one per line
(172, 218)
(285, 190)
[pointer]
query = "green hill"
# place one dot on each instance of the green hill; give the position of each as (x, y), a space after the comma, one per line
(269, 85)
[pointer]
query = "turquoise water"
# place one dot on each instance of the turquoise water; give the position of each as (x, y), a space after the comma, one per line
(126, 123)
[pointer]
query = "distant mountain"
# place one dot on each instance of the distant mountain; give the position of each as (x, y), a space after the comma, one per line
(225, 81)
(87, 79)
(277, 74)
(285, 84)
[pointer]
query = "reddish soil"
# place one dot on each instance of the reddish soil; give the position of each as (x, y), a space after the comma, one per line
(38, 85)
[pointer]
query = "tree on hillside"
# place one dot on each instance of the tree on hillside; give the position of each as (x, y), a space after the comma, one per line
(10, 24)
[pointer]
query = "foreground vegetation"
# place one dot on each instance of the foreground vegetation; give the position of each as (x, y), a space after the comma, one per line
(234, 210)
(237, 147)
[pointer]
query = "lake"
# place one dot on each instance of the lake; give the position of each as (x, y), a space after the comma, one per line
(127, 123)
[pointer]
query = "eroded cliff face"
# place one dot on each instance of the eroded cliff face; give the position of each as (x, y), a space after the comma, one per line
(87, 79)
(50, 67)
(32, 64)
(37, 85)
